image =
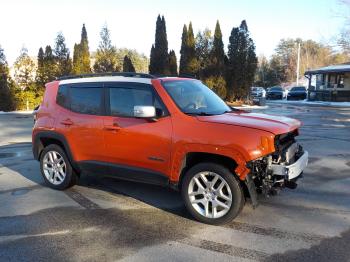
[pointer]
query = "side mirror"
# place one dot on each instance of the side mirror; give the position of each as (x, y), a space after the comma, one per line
(144, 111)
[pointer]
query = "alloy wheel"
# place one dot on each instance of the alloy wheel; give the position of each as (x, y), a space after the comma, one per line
(210, 195)
(54, 167)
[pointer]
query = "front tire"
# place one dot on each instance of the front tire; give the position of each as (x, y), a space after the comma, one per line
(212, 194)
(56, 168)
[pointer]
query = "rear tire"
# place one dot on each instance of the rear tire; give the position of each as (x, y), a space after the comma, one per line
(212, 194)
(56, 168)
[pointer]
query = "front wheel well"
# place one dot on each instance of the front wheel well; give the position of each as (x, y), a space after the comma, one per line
(194, 158)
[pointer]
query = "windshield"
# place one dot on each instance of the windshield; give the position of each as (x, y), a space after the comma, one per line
(276, 88)
(298, 88)
(193, 97)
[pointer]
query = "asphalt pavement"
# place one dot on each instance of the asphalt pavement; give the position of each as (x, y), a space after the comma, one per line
(104, 219)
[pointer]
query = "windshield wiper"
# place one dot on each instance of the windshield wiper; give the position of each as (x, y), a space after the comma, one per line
(198, 114)
(228, 111)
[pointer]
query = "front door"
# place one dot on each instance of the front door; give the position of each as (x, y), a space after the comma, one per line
(131, 142)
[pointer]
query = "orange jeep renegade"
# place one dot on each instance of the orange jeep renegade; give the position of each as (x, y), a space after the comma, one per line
(166, 131)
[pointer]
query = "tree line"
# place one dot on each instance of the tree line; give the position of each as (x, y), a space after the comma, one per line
(25, 89)
(202, 56)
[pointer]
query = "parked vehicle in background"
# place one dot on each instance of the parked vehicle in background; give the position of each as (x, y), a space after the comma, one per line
(257, 92)
(297, 93)
(35, 111)
(167, 131)
(258, 96)
(275, 92)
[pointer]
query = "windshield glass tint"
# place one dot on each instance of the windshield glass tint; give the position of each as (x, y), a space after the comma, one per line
(298, 88)
(193, 97)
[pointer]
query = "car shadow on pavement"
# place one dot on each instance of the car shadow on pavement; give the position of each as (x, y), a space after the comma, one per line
(18, 158)
(160, 197)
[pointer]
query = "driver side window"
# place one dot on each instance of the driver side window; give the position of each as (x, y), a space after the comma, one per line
(123, 99)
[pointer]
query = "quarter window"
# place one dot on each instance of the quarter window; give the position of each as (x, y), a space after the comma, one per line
(86, 100)
(62, 97)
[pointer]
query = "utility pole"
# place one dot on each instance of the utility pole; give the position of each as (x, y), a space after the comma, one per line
(298, 63)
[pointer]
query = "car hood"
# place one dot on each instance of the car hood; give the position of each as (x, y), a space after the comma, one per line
(270, 123)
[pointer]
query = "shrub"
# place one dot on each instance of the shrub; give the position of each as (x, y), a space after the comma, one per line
(217, 84)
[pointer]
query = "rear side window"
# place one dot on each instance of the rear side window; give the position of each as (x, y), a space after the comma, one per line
(122, 101)
(62, 96)
(86, 100)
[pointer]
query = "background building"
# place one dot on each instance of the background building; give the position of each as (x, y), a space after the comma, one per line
(330, 83)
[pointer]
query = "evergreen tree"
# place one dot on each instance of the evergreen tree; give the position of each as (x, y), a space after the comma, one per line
(191, 55)
(50, 68)
(214, 72)
(24, 70)
(152, 61)
(242, 62)
(46, 70)
(6, 97)
(217, 55)
(183, 51)
(127, 65)
(105, 59)
(188, 59)
(172, 63)
(76, 59)
(40, 71)
(159, 63)
(81, 55)
(61, 52)
(204, 42)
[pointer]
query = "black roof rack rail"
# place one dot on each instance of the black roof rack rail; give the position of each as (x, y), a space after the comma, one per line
(125, 74)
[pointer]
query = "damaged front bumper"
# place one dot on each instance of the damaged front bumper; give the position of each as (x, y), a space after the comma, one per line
(278, 170)
(290, 172)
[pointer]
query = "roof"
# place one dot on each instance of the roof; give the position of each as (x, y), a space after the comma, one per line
(116, 77)
(329, 69)
(106, 79)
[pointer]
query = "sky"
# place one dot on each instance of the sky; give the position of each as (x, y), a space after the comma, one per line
(35, 23)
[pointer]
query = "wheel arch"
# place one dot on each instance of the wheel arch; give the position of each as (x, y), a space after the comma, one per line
(193, 158)
(44, 138)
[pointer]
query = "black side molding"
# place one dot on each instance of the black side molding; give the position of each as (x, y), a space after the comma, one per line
(124, 172)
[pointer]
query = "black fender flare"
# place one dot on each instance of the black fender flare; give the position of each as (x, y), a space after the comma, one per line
(38, 146)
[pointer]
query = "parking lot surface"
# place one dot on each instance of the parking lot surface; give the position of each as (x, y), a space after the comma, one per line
(104, 219)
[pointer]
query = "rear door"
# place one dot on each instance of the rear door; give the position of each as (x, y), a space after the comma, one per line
(81, 120)
(135, 142)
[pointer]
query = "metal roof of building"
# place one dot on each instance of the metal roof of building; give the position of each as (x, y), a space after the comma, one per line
(329, 69)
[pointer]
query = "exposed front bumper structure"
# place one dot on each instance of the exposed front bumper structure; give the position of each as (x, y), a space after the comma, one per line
(292, 171)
